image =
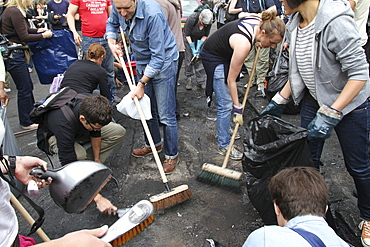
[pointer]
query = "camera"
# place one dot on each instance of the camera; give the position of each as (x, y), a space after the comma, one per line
(6, 48)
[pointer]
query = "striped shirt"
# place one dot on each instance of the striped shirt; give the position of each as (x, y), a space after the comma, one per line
(305, 38)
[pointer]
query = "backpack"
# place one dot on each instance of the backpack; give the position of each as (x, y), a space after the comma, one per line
(64, 99)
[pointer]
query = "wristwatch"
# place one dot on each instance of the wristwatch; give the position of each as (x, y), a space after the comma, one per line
(12, 161)
(142, 82)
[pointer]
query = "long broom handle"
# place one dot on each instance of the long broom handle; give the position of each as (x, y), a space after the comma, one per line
(127, 54)
(224, 164)
(28, 217)
(145, 125)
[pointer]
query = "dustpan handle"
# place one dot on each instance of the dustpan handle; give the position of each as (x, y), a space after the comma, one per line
(224, 164)
(143, 121)
(28, 217)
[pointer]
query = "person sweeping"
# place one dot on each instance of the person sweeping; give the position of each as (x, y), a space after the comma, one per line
(223, 55)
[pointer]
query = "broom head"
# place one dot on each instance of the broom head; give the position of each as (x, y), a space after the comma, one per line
(170, 198)
(221, 177)
(134, 221)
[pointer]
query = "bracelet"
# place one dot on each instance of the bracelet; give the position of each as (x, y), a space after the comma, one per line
(12, 165)
(142, 82)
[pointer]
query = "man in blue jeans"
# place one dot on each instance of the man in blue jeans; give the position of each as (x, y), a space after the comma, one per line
(155, 51)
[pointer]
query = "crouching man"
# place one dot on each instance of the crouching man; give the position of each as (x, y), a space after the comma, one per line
(92, 123)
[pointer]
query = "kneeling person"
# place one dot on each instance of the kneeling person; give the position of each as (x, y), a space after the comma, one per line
(93, 117)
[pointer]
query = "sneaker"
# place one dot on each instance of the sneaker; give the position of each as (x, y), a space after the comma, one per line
(237, 136)
(144, 151)
(365, 236)
(235, 154)
(189, 85)
(30, 127)
(241, 75)
(169, 165)
(202, 85)
(116, 99)
(30, 70)
(7, 90)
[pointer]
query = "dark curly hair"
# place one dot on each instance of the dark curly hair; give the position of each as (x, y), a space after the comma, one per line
(96, 110)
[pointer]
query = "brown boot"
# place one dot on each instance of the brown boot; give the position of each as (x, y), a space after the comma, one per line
(169, 165)
(144, 151)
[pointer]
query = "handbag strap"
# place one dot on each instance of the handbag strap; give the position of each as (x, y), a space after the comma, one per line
(311, 238)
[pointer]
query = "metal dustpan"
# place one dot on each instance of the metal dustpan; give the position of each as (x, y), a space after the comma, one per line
(75, 185)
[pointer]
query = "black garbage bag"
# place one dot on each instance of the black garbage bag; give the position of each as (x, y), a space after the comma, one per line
(277, 78)
(271, 145)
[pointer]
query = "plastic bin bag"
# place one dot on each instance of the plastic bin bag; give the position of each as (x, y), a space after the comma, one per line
(10, 147)
(53, 56)
(271, 145)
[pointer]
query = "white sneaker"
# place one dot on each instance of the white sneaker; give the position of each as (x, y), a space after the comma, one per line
(30, 127)
(234, 154)
(7, 90)
(241, 75)
(365, 236)
(231, 131)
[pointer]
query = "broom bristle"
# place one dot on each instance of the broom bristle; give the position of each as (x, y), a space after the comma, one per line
(133, 232)
(171, 198)
(221, 181)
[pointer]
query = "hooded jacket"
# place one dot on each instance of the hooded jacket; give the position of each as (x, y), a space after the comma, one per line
(337, 55)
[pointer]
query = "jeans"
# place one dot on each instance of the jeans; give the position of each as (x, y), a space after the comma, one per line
(353, 133)
(161, 91)
(225, 106)
(18, 69)
(107, 62)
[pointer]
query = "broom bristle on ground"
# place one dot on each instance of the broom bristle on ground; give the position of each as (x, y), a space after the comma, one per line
(170, 198)
(133, 232)
(221, 177)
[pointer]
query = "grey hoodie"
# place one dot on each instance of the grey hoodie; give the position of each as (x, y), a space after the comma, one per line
(337, 55)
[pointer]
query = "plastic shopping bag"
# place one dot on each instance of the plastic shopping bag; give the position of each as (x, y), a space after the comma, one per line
(53, 56)
(127, 107)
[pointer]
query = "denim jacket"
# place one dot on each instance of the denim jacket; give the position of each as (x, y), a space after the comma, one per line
(151, 39)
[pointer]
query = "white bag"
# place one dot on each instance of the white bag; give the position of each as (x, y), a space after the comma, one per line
(57, 81)
(127, 107)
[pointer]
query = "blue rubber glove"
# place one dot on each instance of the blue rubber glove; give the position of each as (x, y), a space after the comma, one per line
(321, 127)
(238, 114)
(276, 106)
(199, 46)
(192, 46)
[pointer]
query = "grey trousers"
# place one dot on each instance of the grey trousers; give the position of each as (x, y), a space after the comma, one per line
(111, 134)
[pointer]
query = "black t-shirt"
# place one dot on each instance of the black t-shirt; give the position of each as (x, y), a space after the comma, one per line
(218, 43)
(84, 76)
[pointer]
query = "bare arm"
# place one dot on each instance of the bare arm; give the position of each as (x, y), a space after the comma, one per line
(241, 47)
(349, 92)
(232, 9)
(70, 16)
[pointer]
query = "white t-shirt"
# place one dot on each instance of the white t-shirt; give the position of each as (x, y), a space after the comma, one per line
(8, 222)
(361, 14)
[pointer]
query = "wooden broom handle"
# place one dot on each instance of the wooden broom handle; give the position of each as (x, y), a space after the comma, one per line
(27, 216)
(224, 164)
(143, 121)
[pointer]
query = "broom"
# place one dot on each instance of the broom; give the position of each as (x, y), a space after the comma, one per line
(134, 221)
(221, 176)
(169, 197)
